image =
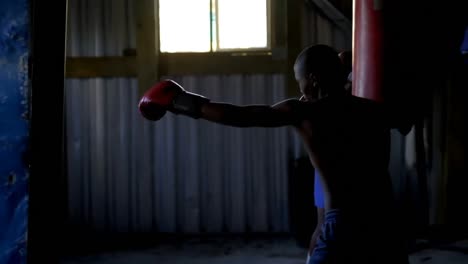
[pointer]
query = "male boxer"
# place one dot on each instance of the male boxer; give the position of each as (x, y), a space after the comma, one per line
(346, 138)
(346, 60)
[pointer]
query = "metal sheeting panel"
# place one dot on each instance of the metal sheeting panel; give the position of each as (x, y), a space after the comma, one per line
(317, 28)
(178, 174)
(100, 27)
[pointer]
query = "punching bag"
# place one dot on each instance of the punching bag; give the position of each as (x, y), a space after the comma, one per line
(393, 53)
(368, 49)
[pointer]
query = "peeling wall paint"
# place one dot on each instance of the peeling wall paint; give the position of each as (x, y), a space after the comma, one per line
(14, 129)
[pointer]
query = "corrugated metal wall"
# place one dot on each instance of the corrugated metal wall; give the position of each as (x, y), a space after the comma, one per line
(100, 27)
(178, 174)
(317, 28)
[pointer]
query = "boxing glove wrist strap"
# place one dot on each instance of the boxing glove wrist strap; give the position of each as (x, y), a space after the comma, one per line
(189, 104)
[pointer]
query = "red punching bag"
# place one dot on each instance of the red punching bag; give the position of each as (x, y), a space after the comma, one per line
(368, 49)
(393, 61)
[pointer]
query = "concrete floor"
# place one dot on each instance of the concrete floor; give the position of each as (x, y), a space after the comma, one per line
(282, 251)
(453, 253)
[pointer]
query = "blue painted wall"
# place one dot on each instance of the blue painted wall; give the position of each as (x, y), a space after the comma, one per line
(14, 129)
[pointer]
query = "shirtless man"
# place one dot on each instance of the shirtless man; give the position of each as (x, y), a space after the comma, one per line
(346, 138)
(346, 60)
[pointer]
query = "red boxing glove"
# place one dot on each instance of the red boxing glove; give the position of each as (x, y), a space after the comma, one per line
(169, 95)
(151, 111)
(158, 99)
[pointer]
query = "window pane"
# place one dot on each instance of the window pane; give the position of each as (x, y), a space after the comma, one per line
(184, 25)
(242, 24)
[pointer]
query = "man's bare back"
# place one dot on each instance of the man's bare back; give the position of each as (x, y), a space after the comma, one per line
(347, 139)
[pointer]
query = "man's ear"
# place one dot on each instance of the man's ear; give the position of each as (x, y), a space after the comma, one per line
(312, 78)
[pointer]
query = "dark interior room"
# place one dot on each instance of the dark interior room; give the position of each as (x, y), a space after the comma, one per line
(233, 131)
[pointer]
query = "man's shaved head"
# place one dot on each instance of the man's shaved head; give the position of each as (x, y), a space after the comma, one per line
(320, 60)
(319, 71)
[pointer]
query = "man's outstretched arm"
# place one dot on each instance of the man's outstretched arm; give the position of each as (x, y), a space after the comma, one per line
(170, 96)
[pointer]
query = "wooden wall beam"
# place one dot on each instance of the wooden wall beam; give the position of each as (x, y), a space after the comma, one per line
(101, 67)
(185, 64)
(174, 64)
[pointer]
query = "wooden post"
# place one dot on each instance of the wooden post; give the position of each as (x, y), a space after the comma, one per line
(294, 45)
(46, 157)
(147, 37)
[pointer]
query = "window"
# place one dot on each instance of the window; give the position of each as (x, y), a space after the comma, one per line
(213, 25)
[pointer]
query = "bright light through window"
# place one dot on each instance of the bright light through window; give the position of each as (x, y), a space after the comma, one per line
(242, 24)
(184, 25)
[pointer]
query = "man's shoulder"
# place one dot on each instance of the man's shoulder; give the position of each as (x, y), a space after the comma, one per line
(297, 105)
(288, 104)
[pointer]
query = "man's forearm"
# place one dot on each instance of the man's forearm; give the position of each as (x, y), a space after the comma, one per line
(242, 116)
(223, 113)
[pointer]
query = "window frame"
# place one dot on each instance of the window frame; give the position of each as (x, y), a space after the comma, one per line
(236, 51)
(149, 65)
